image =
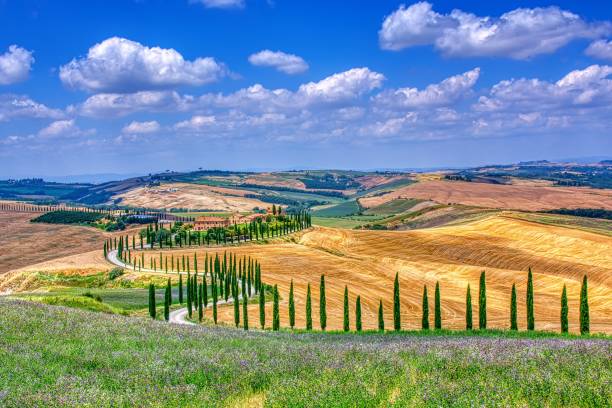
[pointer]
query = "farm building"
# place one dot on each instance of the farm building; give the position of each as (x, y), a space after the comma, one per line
(204, 223)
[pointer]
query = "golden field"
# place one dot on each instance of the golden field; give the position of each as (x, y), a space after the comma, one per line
(503, 246)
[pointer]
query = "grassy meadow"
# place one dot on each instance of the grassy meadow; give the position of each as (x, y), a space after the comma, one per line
(55, 356)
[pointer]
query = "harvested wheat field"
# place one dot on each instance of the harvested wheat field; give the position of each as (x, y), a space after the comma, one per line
(504, 247)
(516, 196)
(193, 196)
(24, 243)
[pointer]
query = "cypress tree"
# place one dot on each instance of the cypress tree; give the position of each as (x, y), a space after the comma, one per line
(180, 289)
(237, 310)
(167, 303)
(358, 313)
(468, 309)
(152, 307)
(513, 313)
(262, 308)
(584, 308)
(308, 309)
(437, 308)
(214, 293)
(245, 314)
(530, 314)
(482, 302)
(381, 317)
(564, 310)
(322, 306)
(200, 308)
(189, 298)
(291, 306)
(425, 318)
(397, 324)
(275, 311)
(346, 325)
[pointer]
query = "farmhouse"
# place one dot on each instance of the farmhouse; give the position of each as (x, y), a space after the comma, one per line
(204, 223)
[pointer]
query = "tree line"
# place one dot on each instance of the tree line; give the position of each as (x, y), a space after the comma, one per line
(242, 277)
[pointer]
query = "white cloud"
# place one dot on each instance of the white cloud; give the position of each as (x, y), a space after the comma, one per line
(113, 104)
(15, 65)
(443, 93)
(196, 123)
(222, 4)
(63, 128)
(520, 34)
(342, 86)
(601, 49)
(19, 106)
(287, 63)
(141, 127)
(121, 65)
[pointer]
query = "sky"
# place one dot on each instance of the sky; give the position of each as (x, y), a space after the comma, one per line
(152, 85)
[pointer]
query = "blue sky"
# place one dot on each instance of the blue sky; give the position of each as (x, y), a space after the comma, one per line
(150, 85)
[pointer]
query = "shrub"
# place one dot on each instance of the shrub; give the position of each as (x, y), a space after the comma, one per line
(115, 273)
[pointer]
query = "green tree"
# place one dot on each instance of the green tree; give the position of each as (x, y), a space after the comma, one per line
(245, 313)
(513, 313)
(397, 323)
(322, 306)
(468, 309)
(530, 313)
(167, 303)
(275, 311)
(262, 307)
(425, 317)
(482, 302)
(564, 311)
(438, 308)
(308, 309)
(180, 289)
(347, 324)
(381, 317)
(152, 307)
(358, 313)
(291, 306)
(584, 308)
(237, 309)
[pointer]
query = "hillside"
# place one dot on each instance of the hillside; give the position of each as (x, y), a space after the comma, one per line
(66, 357)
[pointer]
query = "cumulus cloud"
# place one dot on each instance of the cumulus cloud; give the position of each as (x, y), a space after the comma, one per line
(520, 34)
(15, 65)
(601, 49)
(121, 65)
(63, 128)
(443, 93)
(197, 123)
(287, 63)
(342, 86)
(141, 128)
(19, 106)
(222, 4)
(586, 88)
(114, 104)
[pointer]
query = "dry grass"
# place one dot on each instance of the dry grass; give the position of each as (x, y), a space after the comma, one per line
(505, 247)
(184, 195)
(521, 197)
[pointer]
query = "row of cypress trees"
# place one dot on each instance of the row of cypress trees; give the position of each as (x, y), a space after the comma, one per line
(197, 295)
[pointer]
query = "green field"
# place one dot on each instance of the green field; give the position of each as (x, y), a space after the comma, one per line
(53, 356)
(339, 210)
(393, 207)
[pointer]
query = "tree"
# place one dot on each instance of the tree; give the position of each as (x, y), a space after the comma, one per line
(291, 306)
(347, 324)
(152, 307)
(381, 317)
(167, 302)
(425, 318)
(358, 313)
(275, 311)
(564, 311)
(180, 289)
(322, 309)
(482, 302)
(437, 308)
(308, 309)
(245, 313)
(237, 309)
(584, 308)
(513, 315)
(397, 324)
(530, 314)
(468, 309)
(262, 308)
